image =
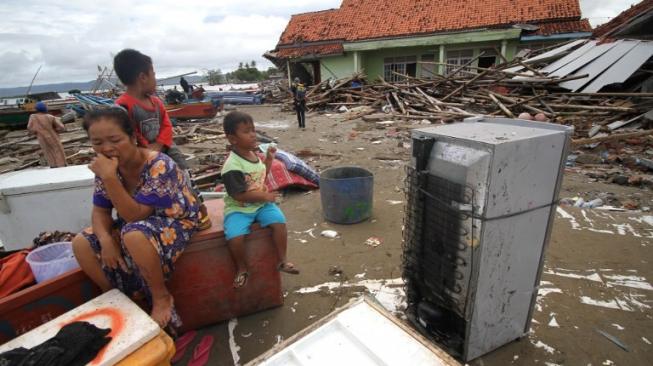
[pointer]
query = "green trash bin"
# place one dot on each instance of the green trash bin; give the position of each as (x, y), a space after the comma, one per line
(346, 194)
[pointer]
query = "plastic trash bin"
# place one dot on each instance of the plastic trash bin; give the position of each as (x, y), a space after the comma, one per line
(346, 194)
(52, 260)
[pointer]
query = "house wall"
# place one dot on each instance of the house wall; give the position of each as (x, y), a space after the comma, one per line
(373, 60)
(368, 56)
(337, 66)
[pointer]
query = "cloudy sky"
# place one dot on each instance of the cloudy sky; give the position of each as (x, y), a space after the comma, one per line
(71, 38)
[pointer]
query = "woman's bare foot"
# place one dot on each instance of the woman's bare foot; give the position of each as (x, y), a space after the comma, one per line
(162, 309)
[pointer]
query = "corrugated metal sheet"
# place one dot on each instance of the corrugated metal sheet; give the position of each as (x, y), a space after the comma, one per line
(569, 58)
(551, 54)
(555, 52)
(587, 57)
(603, 63)
(621, 70)
(600, 64)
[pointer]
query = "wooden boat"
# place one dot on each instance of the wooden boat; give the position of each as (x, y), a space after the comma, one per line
(192, 110)
(14, 118)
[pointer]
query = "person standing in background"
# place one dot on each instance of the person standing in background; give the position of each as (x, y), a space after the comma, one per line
(46, 128)
(298, 91)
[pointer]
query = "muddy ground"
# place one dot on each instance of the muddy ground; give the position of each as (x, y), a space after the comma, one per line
(597, 275)
(597, 269)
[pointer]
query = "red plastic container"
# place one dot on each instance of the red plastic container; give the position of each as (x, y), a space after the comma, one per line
(38, 304)
(202, 283)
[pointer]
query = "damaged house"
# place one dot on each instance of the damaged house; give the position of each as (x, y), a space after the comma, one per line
(418, 37)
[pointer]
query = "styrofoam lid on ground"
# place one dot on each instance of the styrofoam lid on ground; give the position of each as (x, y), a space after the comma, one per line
(360, 335)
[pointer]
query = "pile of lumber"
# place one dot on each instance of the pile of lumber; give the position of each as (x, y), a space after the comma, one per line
(20, 150)
(472, 91)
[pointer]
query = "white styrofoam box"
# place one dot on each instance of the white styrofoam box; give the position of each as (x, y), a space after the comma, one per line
(36, 200)
(131, 327)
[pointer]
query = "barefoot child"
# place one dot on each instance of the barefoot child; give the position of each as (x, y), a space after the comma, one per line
(247, 199)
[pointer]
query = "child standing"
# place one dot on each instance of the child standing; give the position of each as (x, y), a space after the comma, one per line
(152, 126)
(247, 199)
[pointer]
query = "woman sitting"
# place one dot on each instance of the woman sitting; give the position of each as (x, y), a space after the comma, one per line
(156, 209)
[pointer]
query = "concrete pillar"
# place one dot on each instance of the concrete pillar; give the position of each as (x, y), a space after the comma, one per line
(441, 58)
(288, 68)
(504, 47)
(356, 61)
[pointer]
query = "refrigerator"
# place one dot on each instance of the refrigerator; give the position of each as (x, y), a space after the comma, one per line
(481, 197)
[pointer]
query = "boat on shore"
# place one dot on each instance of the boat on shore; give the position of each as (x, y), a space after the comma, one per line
(17, 116)
(194, 110)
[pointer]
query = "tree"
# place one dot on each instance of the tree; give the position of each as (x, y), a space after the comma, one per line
(246, 66)
(214, 77)
(240, 65)
(253, 64)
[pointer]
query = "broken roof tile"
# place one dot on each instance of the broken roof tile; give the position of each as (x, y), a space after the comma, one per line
(370, 19)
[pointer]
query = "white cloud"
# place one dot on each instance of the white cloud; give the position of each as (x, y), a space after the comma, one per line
(601, 11)
(70, 38)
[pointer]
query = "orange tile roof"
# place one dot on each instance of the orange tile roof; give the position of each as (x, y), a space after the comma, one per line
(623, 18)
(370, 19)
(569, 26)
(317, 50)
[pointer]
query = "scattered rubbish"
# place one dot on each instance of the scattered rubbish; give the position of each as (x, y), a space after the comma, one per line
(335, 271)
(49, 237)
(619, 327)
(329, 234)
(554, 323)
(279, 339)
(373, 241)
(246, 335)
(613, 339)
(544, 346)
(233, 346)
(646, 340)
(310, 232)
(393, 202)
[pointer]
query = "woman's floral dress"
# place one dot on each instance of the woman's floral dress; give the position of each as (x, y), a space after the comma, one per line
(166, 188)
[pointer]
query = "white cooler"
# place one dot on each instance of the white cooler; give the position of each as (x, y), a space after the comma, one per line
(36, 200)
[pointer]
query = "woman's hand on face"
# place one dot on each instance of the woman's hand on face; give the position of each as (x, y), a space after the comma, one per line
(103, 166)
(110, 255)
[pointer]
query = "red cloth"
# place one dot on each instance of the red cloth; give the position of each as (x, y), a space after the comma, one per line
(15, 273)
(165, 129)
(280, 178)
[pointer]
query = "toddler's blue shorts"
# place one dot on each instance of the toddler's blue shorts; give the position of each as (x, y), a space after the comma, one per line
(238, 223)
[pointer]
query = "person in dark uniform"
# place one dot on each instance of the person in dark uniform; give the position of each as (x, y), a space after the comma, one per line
(298, 91)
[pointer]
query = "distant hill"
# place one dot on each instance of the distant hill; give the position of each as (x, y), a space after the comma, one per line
(81, 85)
